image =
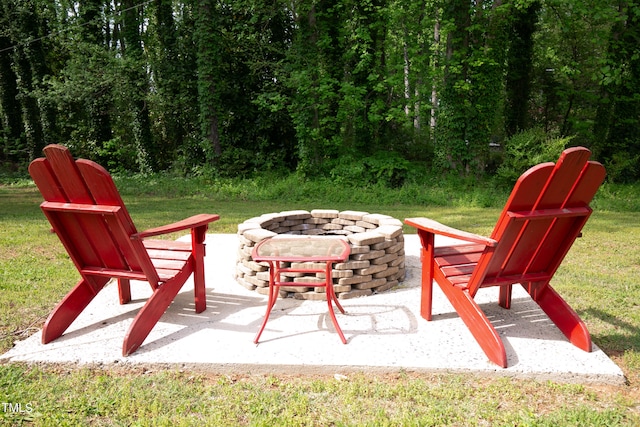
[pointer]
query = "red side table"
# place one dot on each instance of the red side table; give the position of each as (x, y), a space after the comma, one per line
(301, 249)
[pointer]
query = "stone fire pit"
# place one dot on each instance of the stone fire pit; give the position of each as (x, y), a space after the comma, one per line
(376, 263)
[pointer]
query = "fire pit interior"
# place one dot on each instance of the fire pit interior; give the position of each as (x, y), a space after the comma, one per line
(376, 263)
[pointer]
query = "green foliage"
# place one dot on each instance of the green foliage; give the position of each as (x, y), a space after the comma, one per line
(526, 149)
(384, 168)
(569, 46)
(623, 167)
(617, 123)
(115, 155)
(520, 66)
(470, 112)
(244, 122)
(240, 86)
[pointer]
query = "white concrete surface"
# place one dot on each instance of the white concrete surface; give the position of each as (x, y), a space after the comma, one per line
(385, 332)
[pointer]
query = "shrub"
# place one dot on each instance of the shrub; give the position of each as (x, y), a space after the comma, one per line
(526, 149)
(386, 168)
(623, 168)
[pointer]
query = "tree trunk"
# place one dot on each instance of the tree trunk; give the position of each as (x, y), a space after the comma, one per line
(99, 106)
(10, 108)
(520, 64)
(208, 56)
(132, 49)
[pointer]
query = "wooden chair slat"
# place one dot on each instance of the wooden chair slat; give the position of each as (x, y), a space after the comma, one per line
(458, 249)
(169, 254)
(67, 175)
(458, 259)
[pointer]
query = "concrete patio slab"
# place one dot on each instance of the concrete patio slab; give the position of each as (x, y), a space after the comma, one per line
(385, 332)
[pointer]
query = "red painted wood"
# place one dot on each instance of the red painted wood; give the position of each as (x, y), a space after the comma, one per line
(124, 290)
(460, 259)
(70, 307)
(67, 174)
(186, 224)
(543, 216)
(198, 235)
(46, 181)
(443, 251)
(560, 313)
(152, 311)
(477, 322)
(443, 230)
(428, 266)
(87, 213)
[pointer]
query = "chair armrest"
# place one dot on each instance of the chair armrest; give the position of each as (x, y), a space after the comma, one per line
(431, 226)
(186, 224)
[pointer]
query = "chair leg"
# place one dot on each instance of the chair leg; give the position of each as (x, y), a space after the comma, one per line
(560, 313)
(199, 288)
(426, 299)
(198, 236)
(124, 290)
(152, 311)
(70, 308)
(504, 300)
(428, 265)
(478, 324)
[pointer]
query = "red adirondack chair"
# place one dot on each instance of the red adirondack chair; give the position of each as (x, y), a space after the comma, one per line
(86, 211)
(543, 216)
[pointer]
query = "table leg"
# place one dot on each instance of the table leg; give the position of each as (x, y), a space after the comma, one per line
(274, 276)
(331, 299)
(273, 296)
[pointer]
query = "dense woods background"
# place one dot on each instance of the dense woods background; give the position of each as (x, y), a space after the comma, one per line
(342, 88)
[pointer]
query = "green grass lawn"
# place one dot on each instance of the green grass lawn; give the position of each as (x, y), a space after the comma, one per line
(600, 278)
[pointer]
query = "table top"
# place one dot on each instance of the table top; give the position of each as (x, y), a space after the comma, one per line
(290, 247)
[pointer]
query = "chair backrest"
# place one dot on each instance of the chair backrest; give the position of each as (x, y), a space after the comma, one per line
(87, 213)
(543, 216)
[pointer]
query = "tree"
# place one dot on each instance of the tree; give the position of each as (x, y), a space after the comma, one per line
(617, 126)
(29, 67)
(98, 103)
(236, 86)
(569, 46)
(519, 66)
(170, 75)
(256, 131)
(470, 101)
(364, 93)
(314, 76)
(11, 137)
(133, 54)
(209, 56)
